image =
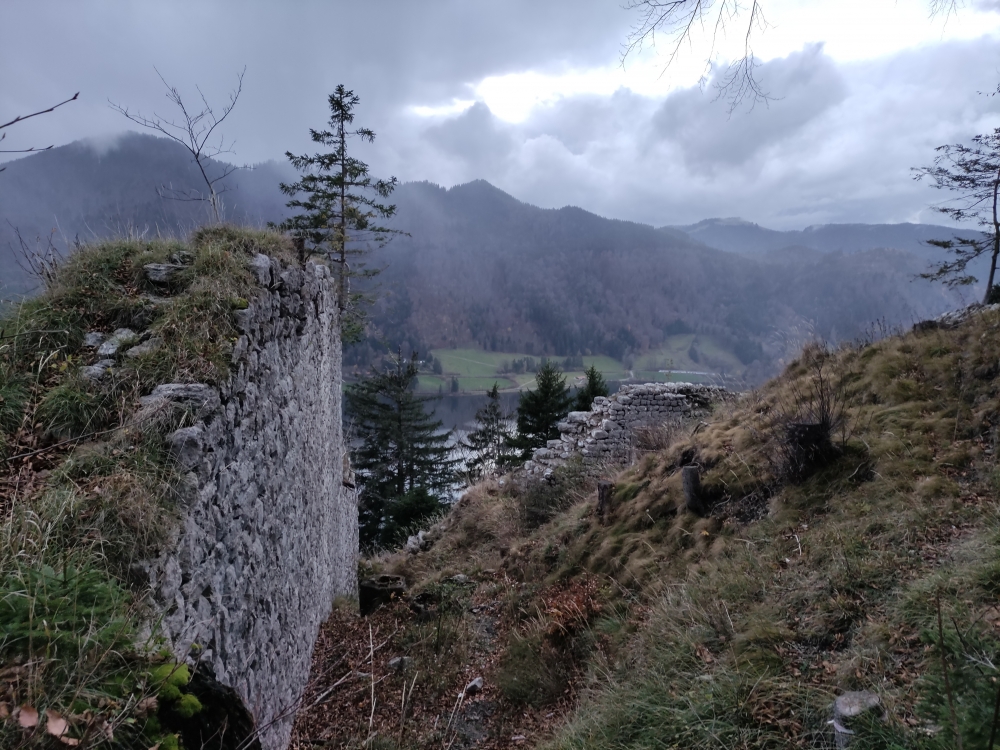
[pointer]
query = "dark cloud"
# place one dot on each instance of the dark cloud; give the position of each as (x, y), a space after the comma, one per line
(477, 138)
(835, 144)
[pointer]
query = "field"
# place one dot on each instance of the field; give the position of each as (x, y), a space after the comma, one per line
(477, 370)
(674, 355)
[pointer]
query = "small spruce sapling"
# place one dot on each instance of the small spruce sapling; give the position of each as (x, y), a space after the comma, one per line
(490, 442)
(594, 387)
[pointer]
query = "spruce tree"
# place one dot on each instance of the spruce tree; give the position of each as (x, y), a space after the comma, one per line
(540, 409)
(490, 442)
(403, 460)
(341, 206)
(594, 387)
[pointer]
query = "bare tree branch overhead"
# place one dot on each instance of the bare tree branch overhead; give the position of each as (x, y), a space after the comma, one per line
(679, 21)
(193, 133)
(22, 118)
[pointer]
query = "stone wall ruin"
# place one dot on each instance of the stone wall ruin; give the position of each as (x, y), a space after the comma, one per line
(606, 432)
(268, 534)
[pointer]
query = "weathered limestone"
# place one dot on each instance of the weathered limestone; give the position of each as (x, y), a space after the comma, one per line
(268, 530)
(606, 432)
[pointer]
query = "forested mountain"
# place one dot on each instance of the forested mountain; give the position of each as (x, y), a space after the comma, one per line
(482, 268)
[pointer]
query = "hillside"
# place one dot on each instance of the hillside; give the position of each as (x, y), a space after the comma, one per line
(482, 268)
(873, 568)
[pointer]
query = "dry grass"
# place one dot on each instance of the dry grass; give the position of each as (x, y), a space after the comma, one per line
(739, 629)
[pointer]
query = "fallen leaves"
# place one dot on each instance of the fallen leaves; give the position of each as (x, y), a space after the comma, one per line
(27, 717)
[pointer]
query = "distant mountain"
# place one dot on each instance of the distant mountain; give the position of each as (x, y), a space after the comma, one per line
(746, 238)
(482, 268)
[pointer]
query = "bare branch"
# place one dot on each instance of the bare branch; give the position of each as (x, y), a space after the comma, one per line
(680, 20)
(194, 133)
(22, 118)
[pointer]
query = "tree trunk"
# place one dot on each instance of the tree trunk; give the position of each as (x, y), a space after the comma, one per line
(996, 240)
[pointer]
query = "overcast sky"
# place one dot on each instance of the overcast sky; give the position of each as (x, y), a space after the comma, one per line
(531, 95)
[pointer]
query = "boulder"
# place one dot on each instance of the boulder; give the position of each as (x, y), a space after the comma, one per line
(147, 347)
(118, 339)
(162, 273)
(93, 339)
(96, 372)
(197, 396)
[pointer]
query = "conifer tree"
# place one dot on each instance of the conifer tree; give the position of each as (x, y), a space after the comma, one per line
(490, 442)
(540, 409)
(972, 173)
(403, 458)
(594, 387)
(342, 206)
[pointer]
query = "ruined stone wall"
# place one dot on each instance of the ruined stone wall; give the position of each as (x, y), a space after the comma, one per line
(268, 535)
(605, 433)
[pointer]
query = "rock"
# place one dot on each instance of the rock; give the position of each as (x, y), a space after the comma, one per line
(850, 710)
(182, 258)
(202, 398)
(96, 372)
(474, 687)
(599, 435)
(147, 347)
(418, 543)
(93, 339)
(187, 446)
(461, 579)
(162, 273)
(118, 339)
(375, 592)
(400, 663)
(260, 266)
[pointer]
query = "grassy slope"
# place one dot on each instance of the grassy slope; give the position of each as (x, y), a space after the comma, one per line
(86, 487)
(738, 630)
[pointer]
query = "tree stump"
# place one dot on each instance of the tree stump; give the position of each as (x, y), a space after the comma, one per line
(693, 496)
(807, 448)
(850, 711)
(604, 489)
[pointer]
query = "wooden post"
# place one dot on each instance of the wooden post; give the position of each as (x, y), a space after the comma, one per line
(604, 489)
(691, 482)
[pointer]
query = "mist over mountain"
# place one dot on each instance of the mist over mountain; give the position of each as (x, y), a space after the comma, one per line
(482, 268)
(93, 189)
(746, 238)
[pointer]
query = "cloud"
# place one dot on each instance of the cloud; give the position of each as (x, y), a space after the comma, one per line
(836, 143)
(479, 140)
(699, 128)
